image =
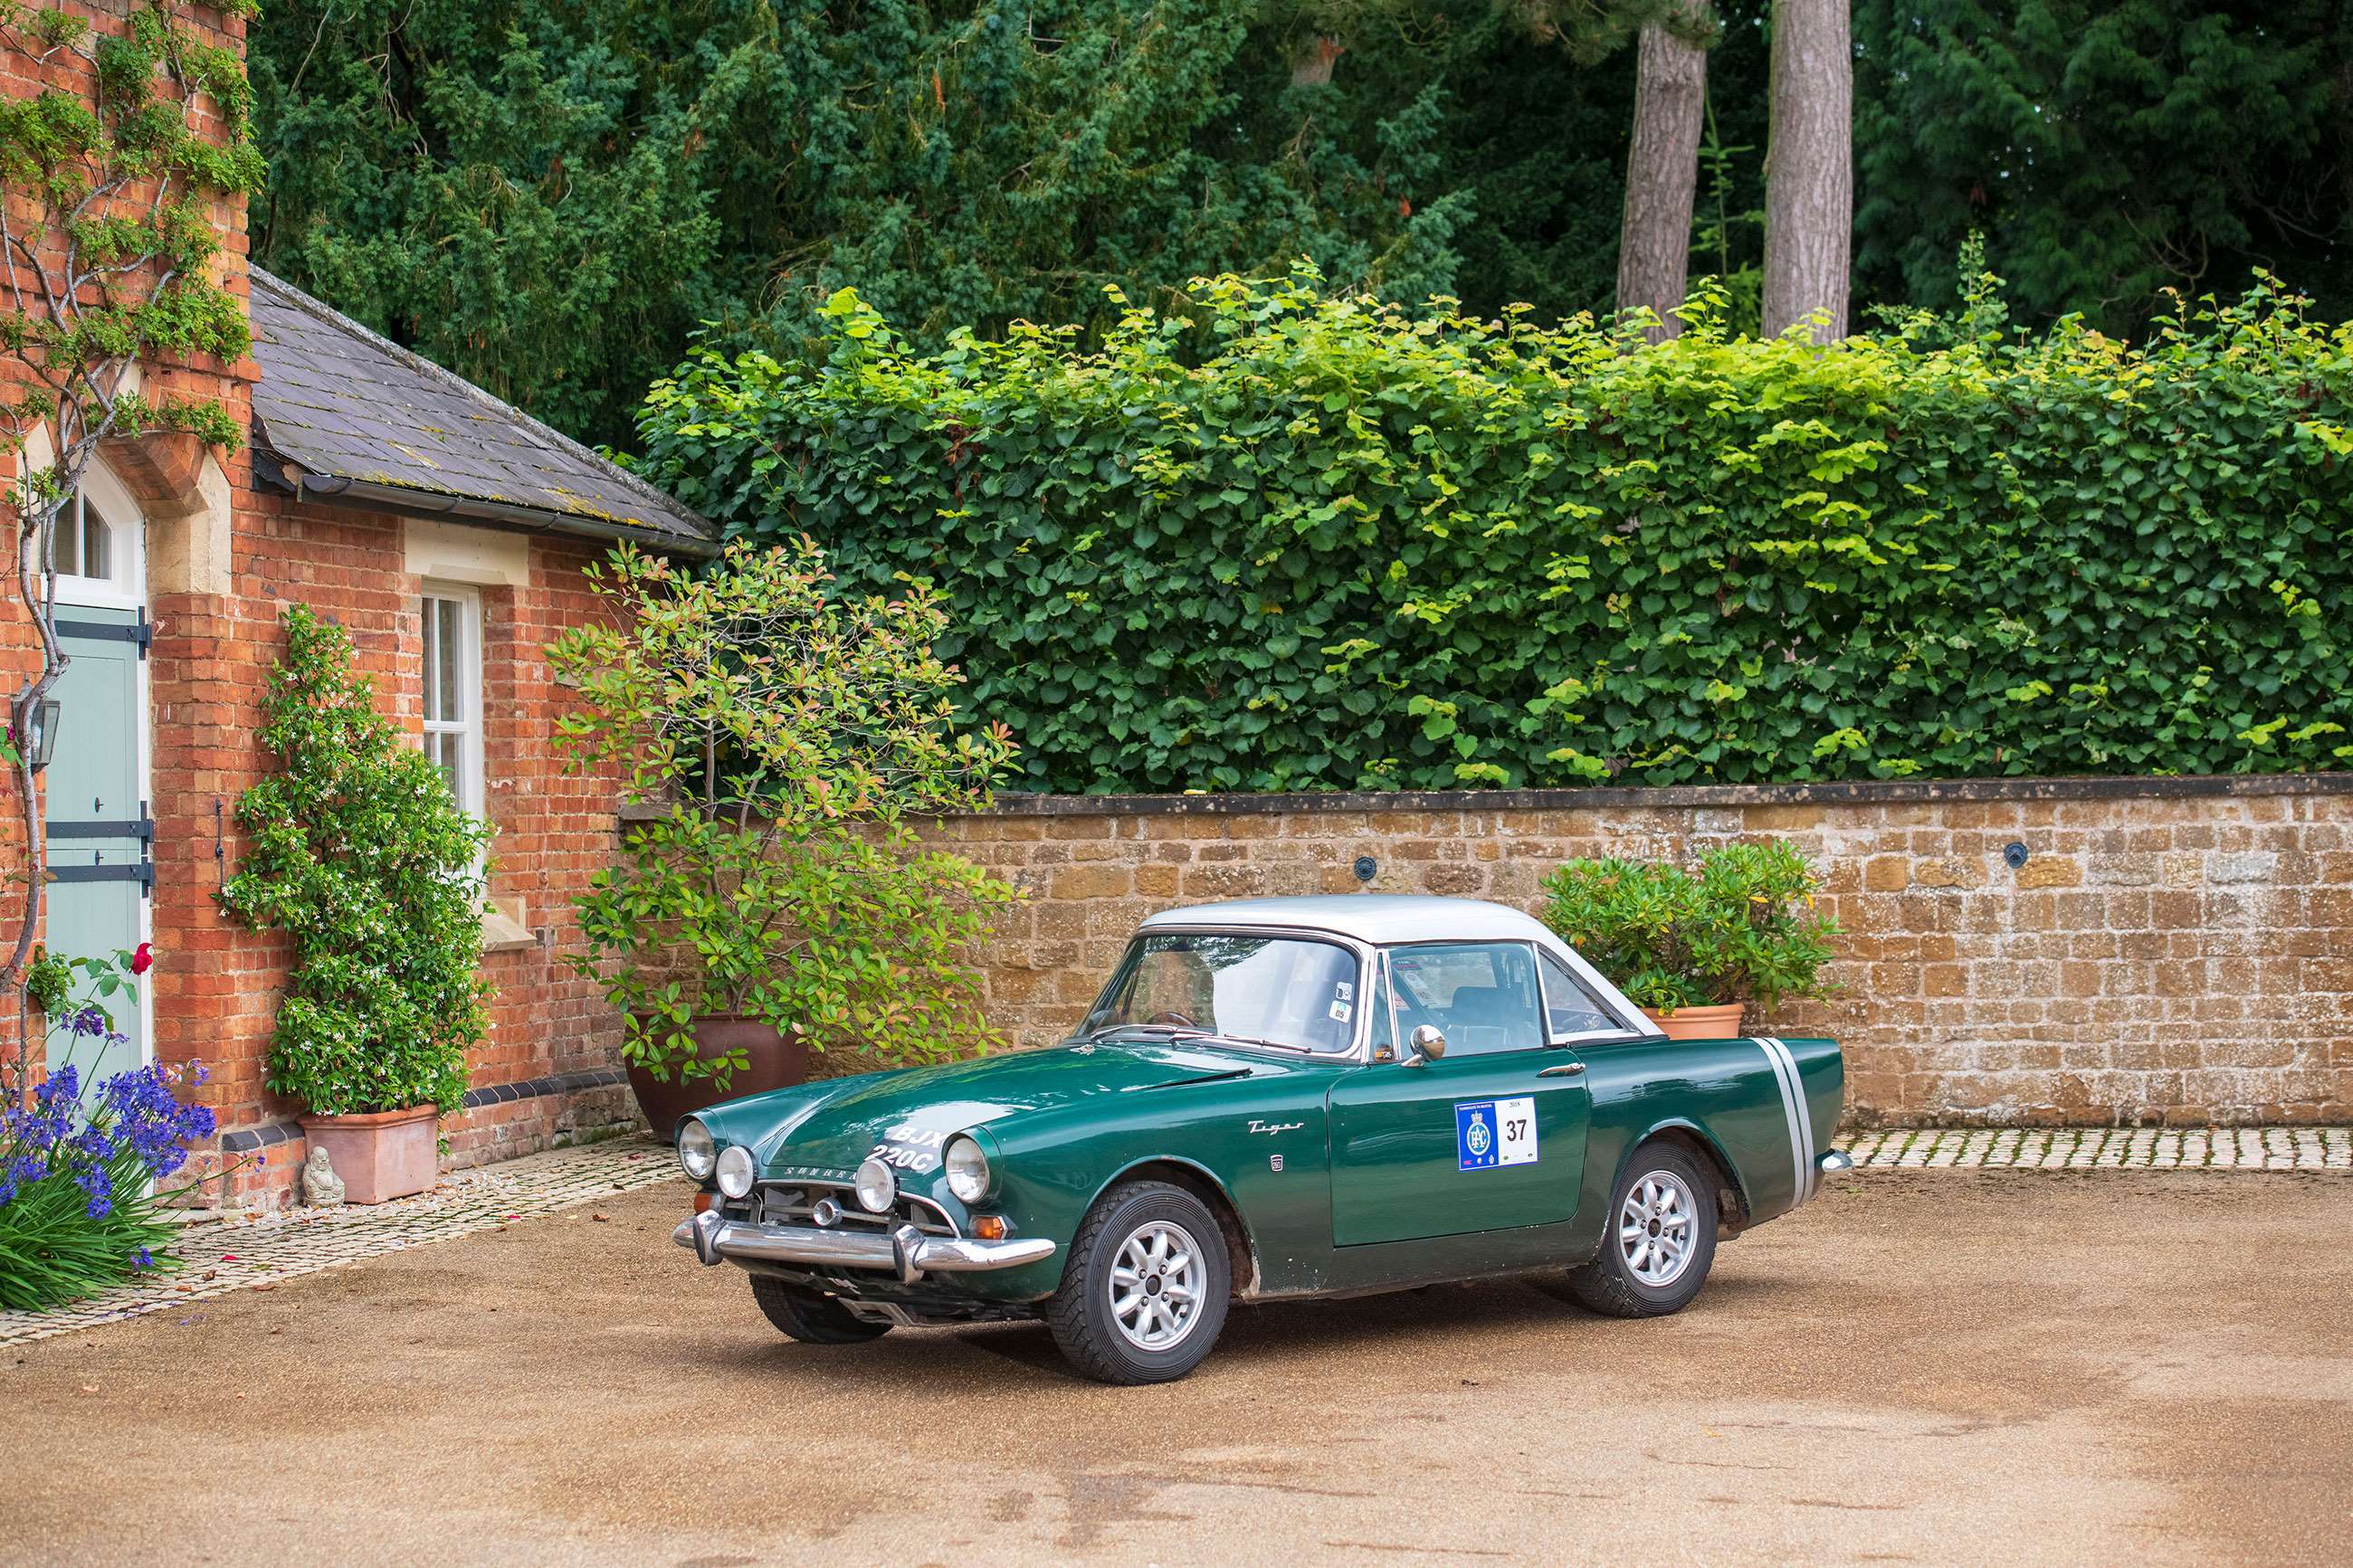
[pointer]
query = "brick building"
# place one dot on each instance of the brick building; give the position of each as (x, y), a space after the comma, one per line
(446, 532)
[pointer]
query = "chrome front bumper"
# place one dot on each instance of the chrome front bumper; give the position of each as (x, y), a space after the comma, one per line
(903, 1251)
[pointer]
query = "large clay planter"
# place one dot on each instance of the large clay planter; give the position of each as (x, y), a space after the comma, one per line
(381, 1154)
(1699, 1023)
(774, 1061)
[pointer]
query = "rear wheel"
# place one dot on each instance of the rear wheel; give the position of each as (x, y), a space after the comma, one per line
(1143, 1295)
(810, 1317)
(1661, 1239)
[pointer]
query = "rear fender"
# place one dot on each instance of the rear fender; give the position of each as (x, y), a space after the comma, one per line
(1683, 1130)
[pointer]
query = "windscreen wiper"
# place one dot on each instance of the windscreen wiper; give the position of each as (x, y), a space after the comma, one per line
(1174, 1031)
(1270, 1045)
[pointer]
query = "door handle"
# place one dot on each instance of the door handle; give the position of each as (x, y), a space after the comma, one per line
(1566, 1069)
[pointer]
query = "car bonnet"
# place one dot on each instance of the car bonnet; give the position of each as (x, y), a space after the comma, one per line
(911, 1115)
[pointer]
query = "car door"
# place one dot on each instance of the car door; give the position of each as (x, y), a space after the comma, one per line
(1490, 1136)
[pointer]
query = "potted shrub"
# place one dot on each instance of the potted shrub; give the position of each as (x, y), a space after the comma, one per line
(1693, 947)
(357, 851)
(774, 744)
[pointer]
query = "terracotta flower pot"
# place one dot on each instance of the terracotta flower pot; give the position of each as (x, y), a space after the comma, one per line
(775, 1059)
(1720, 1023)
(381, 1154)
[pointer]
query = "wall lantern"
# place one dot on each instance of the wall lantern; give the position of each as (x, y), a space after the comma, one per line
(44, 732)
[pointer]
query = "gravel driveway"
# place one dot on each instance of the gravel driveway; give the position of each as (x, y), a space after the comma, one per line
(2015, 1367)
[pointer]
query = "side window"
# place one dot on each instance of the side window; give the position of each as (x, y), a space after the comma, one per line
(1570, 1008)
(1386, 1036)
(453, 689)
(1481, 994)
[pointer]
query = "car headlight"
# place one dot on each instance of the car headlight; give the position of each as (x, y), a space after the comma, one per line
(877, 1185)
(735, 1170)
(697, 1150)
(967, 1169)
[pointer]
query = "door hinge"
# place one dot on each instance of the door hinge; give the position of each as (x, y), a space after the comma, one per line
(140, 633)
(141, 871)
(143, 829)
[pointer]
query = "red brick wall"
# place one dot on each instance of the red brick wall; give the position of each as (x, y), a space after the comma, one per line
(203, 378)
(2172, 952)
(215, 990)
(216, 985)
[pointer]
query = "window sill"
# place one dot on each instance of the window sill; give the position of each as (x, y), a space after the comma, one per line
(502, 932)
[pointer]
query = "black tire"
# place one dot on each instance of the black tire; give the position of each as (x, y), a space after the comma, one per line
(1082, 1314)
(812, 1319)
(1609, 1284)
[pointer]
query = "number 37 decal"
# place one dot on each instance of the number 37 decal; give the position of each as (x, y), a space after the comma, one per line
(1490, 1132)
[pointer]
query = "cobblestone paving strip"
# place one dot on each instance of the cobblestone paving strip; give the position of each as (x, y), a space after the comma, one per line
(238, 1254)
(2106, 1149)
(228, 1255)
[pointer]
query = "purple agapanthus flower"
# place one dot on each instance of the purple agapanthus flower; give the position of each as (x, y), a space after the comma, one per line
(134, 1114)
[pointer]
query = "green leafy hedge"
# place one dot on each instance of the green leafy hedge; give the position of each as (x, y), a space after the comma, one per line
(1296, 541)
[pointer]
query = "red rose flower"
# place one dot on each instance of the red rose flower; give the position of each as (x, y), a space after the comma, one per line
(144, 959)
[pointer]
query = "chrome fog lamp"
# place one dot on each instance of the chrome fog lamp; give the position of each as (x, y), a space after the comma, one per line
(697, 1150)
(877, 1185)
(735, 1170)
(967, 1169)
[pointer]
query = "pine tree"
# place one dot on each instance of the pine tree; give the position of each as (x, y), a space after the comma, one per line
(2109, 150)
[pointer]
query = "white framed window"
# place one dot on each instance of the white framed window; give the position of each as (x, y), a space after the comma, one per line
(453, 688)
(93, 546)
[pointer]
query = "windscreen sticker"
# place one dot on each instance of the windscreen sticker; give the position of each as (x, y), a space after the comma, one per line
(1340, 1011)
(1491, 1132)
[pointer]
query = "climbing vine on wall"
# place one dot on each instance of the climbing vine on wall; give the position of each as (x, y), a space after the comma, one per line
(110, 180)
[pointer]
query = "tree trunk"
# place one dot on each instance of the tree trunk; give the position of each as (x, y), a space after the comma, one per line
(1312, 66)
(1662, 177)
(1809, 167)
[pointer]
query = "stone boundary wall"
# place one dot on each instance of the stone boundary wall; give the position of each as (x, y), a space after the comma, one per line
(2174, 952)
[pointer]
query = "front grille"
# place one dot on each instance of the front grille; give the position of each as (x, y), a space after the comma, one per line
(794, 1203)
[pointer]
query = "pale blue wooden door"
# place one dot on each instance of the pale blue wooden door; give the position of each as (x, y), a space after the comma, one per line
(100, 827)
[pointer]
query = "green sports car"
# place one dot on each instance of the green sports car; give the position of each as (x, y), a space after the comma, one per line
(1277, 1097)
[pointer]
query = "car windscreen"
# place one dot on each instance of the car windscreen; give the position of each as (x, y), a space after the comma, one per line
(1281, 990)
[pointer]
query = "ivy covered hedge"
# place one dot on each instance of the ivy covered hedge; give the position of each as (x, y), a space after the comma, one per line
(1296, 541)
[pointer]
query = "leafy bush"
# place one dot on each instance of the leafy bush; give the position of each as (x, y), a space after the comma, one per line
(78, 1207)
(1286, 541)
(358, 852)
(786, 737)
(1739, 927)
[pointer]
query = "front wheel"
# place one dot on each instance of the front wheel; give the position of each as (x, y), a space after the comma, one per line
(1143, 1295)
(810, 1317)
(1661, 1239)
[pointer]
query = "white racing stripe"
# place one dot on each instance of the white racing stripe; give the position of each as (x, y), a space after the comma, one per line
(1793, 1107)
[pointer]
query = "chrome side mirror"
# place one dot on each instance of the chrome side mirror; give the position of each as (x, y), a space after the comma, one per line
(1428, 1044)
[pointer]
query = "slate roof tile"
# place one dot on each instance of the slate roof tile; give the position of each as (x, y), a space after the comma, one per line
(338, 402)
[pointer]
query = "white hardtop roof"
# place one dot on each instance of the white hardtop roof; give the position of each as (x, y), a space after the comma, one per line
(1383, 918)
(1370, 917)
